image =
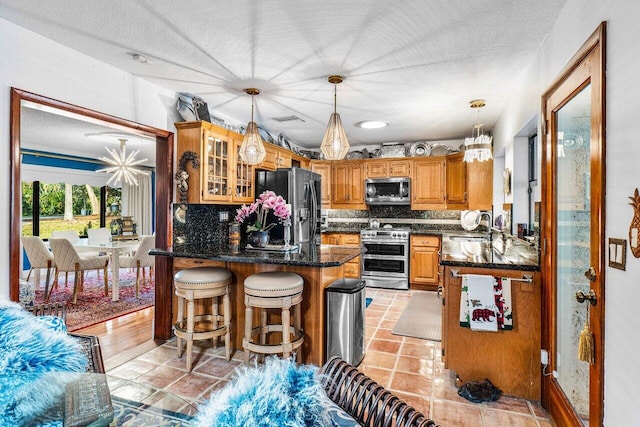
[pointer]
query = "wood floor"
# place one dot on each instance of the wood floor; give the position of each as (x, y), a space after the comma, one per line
(124, 338)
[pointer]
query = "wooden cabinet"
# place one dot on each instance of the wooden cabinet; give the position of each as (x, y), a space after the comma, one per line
(347, 185)
(276, 157)
(428, 183)
(351, 268)
(509, 358)
(387, 168)
(424, 267)
(480, 185)
(323, 168)
(456, 194)
(222, 176)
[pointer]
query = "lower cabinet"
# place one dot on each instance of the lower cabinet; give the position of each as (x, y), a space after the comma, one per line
(424, 263)
(510, 359)
(351, 268)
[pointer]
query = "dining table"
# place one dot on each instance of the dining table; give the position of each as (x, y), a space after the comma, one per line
(113, 248)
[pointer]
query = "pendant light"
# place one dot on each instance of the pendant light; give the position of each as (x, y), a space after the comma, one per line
(478, 146)
(252, 150)
(334, 144)
(123, 167)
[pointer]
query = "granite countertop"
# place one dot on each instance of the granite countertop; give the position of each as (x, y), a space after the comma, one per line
(495, 253)
(305, 256)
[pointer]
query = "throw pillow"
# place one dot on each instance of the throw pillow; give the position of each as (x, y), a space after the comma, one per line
(278, 394)
(36, 361)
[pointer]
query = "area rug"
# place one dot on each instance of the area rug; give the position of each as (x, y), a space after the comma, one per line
(421, 318)
(367, 301)
(93, 306)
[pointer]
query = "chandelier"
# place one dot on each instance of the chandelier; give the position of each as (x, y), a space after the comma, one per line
(122, 166)
(252, 150)
(478, 146)
(335, 143)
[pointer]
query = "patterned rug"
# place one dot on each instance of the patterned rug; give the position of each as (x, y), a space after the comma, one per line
(93, 306)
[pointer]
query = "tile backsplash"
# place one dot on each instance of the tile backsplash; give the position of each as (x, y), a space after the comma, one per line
(202, 223)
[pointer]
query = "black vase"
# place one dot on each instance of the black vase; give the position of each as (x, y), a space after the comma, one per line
(258, 239)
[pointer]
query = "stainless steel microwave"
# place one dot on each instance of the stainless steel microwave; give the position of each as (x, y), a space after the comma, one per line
(388, 191)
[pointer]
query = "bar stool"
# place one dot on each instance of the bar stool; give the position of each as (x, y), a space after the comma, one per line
(273, 290)
(192, 284)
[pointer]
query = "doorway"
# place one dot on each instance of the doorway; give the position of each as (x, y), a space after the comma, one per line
(573, 238)
(163, 194)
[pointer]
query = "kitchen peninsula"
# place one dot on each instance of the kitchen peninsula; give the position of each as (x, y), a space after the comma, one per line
(509, 357)
(318, 265)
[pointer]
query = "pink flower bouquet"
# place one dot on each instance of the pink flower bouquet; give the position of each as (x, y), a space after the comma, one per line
(267, 201)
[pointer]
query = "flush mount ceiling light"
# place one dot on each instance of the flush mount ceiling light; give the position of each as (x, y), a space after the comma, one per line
(478, 146)
(335, 143)
(372, 124)
(252, 150)
(123, 167)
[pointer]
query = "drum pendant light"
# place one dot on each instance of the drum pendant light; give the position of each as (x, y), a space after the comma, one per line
(252, 150)
(334, 144)
(478, 146)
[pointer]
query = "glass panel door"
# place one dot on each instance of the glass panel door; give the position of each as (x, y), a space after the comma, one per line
(573, 213)
(217, 174)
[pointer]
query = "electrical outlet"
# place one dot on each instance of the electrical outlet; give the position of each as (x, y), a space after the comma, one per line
(544, 357)
(223, 216)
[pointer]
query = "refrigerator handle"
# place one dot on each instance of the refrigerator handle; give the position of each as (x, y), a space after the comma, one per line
(314, 211)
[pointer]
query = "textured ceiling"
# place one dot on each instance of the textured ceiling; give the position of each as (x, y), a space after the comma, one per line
(414, 64)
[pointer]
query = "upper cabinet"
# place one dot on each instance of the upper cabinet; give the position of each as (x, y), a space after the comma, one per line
(276, 158)
(223, 177)
(388, 168)
(448, 182)
(480, 185)
(456, 195)
(347, 185)
(428, 183)
(212, 182)
(323, 168)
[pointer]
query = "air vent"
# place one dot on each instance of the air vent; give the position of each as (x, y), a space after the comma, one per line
(287, 119)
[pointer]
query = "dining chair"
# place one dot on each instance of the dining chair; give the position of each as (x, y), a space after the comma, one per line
(67, 259)
(39, 257)
(140, 259)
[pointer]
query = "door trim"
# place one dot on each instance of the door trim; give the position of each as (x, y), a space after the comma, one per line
(589, 61)
(164, 195)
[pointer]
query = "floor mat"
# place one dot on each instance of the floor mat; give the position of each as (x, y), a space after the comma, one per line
(421, 318)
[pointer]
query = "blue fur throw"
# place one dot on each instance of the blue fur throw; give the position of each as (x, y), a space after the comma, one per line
(36, 361)
(279, 394)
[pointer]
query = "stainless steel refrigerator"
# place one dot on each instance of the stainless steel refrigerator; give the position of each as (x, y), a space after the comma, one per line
(301, 189)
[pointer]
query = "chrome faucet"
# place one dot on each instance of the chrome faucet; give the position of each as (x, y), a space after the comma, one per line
(489, 217)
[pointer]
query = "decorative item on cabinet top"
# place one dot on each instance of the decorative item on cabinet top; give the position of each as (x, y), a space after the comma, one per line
(419, 148)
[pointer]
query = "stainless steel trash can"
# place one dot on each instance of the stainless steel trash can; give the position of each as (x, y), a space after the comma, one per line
(345, 305)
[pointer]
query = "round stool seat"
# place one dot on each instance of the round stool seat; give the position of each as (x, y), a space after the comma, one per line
(273, 284)
(199, 277)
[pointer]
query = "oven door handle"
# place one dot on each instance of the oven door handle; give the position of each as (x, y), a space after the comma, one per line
(389, 257)
(385, 242)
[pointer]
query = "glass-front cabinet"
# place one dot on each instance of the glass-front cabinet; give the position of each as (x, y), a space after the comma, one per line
(244, 177)
(220, 175)
(217, 174)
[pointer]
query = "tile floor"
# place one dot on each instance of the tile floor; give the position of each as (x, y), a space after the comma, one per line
(411, 368)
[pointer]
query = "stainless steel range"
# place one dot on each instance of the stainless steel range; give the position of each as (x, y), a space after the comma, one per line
(385, 258)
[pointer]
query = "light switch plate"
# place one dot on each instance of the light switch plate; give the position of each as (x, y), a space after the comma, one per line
(617, 253)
